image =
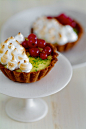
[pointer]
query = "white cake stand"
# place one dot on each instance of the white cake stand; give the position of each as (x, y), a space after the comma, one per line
(26, 105)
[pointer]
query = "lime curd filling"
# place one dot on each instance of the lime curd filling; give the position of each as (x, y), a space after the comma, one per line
(37, 63)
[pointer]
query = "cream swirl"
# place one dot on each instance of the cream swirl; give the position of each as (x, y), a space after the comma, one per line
(25, 66)
(19, 37)
(2, 49)
(12, 64)
(5, 58)
(21, 57)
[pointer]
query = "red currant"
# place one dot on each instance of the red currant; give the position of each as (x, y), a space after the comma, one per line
(73, 24)
(43, 56)
(61, 16)
(65, 20)
(47, 50)
(32, 36)
(41, 43)
(34, 52)
(32, 43)
(24, 44)
(49, 17)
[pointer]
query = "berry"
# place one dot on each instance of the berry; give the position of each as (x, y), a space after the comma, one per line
(32, 40)
(32, 36)
(34, 52)
(32, 43)
(61, 16)
(43, 55)
(49, 17)
(41, 43)
(65, 20)
(47, 50)
(73, 24)
(24, 44)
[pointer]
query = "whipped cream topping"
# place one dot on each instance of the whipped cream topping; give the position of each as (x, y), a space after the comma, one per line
(13, 54)
(52, 31)
(12, 64)
(5, 58)
(25, 66)
(19, 37)
(21, 57)
(2, 48)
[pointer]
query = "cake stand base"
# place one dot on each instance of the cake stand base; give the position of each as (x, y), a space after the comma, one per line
(26, 110)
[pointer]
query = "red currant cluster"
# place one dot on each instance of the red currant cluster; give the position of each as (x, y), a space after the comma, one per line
(65, 20)
(36, 47)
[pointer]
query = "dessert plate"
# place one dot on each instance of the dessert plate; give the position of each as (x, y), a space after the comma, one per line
(53, 82)
(22, 22)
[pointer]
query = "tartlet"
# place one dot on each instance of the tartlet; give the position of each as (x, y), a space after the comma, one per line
(21, 75)
(63, 21)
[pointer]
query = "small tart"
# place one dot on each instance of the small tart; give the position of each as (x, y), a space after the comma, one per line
(31, 76)
(67, 46)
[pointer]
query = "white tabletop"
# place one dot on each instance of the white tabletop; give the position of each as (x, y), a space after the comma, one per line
(67, 108)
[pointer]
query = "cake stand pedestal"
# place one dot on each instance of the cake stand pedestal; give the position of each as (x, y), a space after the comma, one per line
(26, 105)
(26, 110)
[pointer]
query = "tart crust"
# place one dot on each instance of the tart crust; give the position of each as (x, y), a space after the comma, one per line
(69, 45)
(31, 76)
